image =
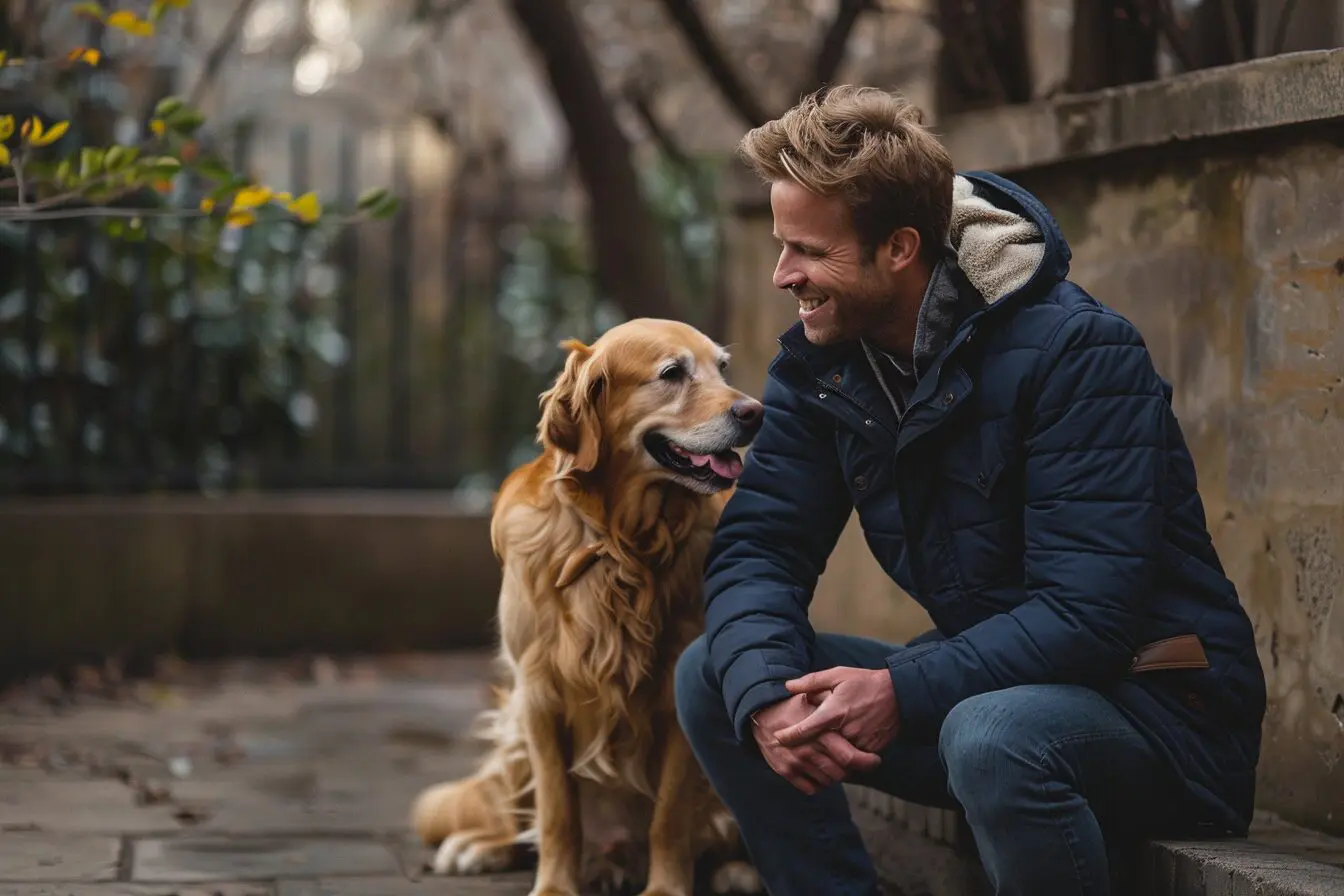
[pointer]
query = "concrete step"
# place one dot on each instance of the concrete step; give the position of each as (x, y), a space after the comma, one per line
(921, 851)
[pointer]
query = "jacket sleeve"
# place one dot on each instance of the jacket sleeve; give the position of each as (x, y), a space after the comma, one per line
(770, 547)
(1095, 460)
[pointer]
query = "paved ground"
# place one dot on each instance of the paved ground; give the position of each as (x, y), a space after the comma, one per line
(246, 779)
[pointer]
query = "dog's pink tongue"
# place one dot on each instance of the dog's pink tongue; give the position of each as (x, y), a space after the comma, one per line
(728, 465)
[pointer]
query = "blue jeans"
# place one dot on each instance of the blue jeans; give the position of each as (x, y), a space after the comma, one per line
(1039, 770)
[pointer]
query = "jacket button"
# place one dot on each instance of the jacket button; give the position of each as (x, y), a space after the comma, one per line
(949, 398)
(836, 379)
(868, 422)
(860, 482)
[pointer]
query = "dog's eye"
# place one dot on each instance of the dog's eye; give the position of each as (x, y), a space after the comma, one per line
(723, 365)
(672, 373)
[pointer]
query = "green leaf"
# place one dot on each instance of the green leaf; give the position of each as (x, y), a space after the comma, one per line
(90, 162)
(167, 106)
(64, 173)
(119, 157)
(156, 10)
(371, 197)
(184, 120)
(213, 168)
(385, 208)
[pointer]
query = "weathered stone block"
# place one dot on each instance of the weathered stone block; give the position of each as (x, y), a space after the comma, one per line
(197, 859)
(38, 856)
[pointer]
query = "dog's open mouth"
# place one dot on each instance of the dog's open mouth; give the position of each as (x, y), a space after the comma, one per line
(720, 468)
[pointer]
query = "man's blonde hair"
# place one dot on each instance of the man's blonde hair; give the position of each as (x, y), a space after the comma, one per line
(870, 148)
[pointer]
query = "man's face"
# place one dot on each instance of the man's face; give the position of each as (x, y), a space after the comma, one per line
(842, 293)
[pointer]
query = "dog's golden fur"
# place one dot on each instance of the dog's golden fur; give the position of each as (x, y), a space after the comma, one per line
(602, 545)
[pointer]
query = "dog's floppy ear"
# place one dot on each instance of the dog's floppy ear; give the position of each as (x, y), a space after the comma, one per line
(570, 419)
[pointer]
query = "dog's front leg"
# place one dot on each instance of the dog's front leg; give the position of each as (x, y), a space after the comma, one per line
(559, 838)
(675, 815)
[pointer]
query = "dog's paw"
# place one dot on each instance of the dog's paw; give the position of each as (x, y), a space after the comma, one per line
(463, 854)
(736, 877)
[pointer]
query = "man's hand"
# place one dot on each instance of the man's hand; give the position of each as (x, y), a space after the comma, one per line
(859, 705)
(810, 764)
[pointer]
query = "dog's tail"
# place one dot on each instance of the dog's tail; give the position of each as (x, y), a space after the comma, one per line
(495, 802)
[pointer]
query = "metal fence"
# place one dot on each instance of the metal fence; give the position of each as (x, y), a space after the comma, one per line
(177, 354)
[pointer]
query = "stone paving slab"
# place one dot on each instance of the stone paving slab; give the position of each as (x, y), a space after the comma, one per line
(486, 885)
(230, 858)
(126, 889)
(99, 807)
(42, 856)
(247, 783)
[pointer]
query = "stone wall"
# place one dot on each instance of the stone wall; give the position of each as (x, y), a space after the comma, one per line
(1228, 253)
(137, 577)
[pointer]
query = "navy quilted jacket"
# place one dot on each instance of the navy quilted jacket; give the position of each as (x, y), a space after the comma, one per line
(1037, 499)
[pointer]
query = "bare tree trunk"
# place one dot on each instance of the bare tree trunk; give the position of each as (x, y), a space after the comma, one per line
(631, 265)
(1220, 32)
(1114, 43)
(983, 61)
(686, 16)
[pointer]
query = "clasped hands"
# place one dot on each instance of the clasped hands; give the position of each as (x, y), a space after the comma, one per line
(836, 723)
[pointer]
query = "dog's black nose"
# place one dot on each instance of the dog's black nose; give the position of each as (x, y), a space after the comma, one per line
(749, 412)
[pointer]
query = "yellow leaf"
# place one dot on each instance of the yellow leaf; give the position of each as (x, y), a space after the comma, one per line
(6, 127)
(130, 23)
(2, 57)
(180, 4)
(283, 197)
(31, 127)
(56, 132)
(251, 197)
(240, 218)
(84, 54)
(157, 126)
(306, 207)
(207, 205)
(4, 155)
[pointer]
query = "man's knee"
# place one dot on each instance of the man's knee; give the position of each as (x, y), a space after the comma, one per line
(699, 700)
(991, 745)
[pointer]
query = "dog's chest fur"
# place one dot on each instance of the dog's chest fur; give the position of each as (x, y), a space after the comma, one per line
(602, 650)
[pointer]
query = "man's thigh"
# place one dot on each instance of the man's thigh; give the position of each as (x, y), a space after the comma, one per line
(912, 772)
(1017, 740)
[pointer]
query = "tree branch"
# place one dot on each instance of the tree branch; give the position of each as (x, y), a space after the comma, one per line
(1281, 29)
(214, 61)
(831, 52)
(630, 264)
(639, 101)
(686, 17)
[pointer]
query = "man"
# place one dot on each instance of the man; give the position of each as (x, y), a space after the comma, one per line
(1017, 469)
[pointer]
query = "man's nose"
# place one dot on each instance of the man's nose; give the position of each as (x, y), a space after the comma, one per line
(786, 277)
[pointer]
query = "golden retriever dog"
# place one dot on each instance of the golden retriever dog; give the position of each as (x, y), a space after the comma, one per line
(602, 540)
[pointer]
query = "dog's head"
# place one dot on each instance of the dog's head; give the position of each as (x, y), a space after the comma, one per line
(649, 397)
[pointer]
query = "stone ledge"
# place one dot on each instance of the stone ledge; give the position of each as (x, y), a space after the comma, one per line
(1293, 88)
(1262, 94)
(338, 572)
(921, 851)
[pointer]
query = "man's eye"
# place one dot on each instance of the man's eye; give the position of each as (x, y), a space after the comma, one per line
(672, 373)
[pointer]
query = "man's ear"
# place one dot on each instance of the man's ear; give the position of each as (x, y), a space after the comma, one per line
(900, 250)
(570, 417)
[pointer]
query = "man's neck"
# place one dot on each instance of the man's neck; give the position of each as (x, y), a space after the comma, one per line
(897, 337)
